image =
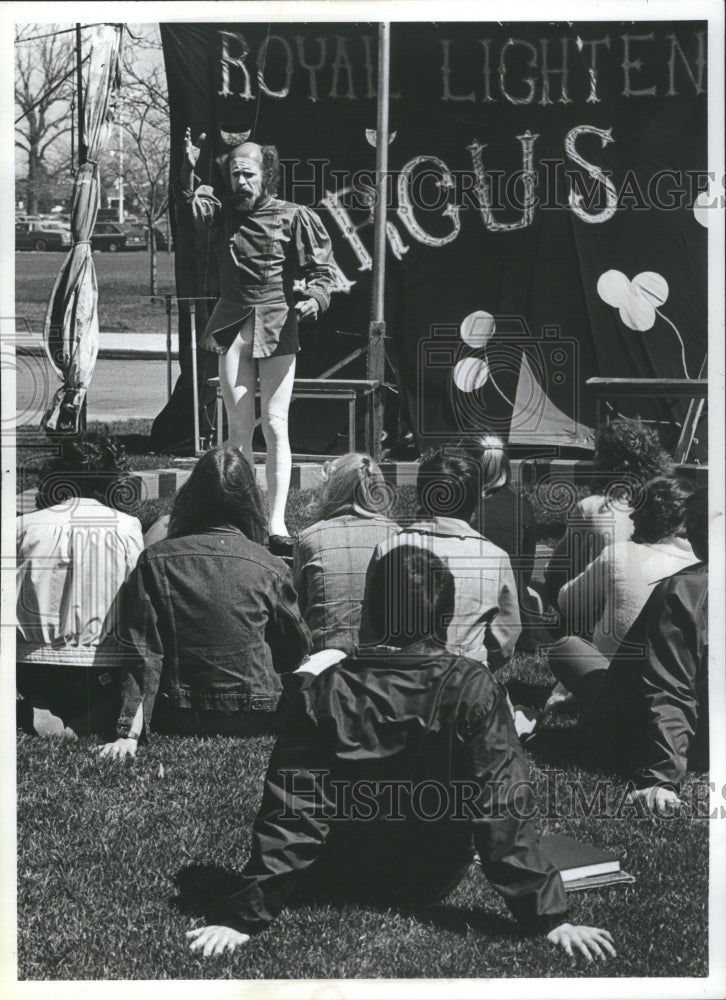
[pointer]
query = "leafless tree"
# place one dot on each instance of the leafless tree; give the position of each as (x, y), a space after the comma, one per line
(44, 74)
(144, 118)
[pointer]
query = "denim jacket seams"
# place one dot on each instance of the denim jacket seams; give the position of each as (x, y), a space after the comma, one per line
(210, 621)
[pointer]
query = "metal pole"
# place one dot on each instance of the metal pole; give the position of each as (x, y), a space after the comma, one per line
(195, 386)
(167, 300)
(82, 147)
(377, 328)
(82, 158)
(379, 255)
(121, 216)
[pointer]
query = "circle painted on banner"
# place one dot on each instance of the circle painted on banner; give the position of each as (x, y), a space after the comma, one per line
(652, 286)
(471, 374)
(613, 288)
(477, 329)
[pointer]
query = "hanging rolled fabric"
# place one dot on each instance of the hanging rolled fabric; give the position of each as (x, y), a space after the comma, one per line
(71, 321)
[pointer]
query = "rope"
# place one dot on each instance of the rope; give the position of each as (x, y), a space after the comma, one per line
(680, 341)
(62, 31)
(494, 383)
(46, 95)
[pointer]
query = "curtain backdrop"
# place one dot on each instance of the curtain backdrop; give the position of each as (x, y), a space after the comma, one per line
(541, 223)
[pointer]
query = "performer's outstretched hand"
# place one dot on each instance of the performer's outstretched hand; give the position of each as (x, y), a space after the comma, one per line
(192, 151)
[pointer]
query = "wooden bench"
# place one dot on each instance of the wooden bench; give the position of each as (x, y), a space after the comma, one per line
(356, 393)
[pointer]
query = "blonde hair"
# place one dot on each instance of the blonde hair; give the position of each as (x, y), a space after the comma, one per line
(491, 454)
(353, 479)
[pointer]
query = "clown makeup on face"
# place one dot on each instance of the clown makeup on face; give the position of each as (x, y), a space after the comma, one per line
(246, 177)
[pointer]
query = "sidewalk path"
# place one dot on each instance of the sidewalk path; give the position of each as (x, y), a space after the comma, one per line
(119, 390)
(151, 346)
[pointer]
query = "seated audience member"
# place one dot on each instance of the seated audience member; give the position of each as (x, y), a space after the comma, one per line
(507, 518)
(73, 555)
(388, 725)
(604, 601)
(485, 624)
(647, 712)
(332, 555)
(209, 616)
(627, 455)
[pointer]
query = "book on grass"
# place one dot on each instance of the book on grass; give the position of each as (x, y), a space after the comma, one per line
(599, 881)
(583, 866)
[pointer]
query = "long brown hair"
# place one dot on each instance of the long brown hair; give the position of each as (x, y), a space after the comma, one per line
(221, 490)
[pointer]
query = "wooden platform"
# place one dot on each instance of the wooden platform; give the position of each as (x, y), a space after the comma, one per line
(357, 393)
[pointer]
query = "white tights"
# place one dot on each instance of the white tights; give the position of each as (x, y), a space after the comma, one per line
(238, 375)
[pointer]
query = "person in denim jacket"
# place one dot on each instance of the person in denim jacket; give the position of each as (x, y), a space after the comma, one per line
(209, 617)
(332, 555)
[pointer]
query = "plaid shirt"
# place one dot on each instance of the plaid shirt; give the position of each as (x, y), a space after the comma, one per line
(486, 622)
(330, 566)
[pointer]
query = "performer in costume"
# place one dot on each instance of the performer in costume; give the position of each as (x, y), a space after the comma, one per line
(263, 246)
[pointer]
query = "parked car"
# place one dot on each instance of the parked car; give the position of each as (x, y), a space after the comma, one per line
(136, 238)
(112, 236)
(42, 234)
(161, 240)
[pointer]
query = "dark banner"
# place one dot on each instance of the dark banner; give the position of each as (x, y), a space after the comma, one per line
(541, 224)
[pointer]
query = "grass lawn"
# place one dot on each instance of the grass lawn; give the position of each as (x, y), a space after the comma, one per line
(116, 862)
(123, 289)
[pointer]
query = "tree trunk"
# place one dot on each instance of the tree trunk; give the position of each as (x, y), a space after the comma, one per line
(32, 184)
(152, 260)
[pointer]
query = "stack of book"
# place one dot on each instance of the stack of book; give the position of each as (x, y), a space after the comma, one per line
(581, 865)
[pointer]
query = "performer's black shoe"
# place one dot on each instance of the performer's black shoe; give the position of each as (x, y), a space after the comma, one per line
(281, 545)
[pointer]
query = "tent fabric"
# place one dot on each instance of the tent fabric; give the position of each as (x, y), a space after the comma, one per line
(71, 320)
(541, 223)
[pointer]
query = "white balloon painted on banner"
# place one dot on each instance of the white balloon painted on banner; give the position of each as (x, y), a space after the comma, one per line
(477, 329)
(709, 205)
(636, 300)
(471, 374)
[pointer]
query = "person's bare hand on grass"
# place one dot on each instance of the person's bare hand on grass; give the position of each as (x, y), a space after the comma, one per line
(659, 800)
(118, 750)
(216, 939)
(591, 942)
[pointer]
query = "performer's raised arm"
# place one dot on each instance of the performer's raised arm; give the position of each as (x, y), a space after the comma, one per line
(188, 190)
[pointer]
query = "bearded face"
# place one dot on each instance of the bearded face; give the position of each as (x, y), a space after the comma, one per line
(246, 177)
